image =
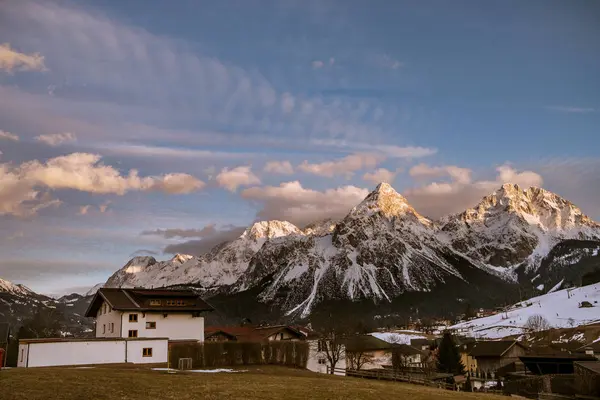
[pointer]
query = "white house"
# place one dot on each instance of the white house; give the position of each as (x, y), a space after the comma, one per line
(318, 360)
(148, 313)
(132, 326)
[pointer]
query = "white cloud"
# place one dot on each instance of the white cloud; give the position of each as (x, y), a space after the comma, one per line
(55, 139)
(381, 175)
(442, 198)
(344, 166)
(8, 136)
(458, 174)
(572, 109)
(317, 64)
(231, 179)
(279, 167)
(22, 188)
(11, 60)
(291, 202)
(388, 150)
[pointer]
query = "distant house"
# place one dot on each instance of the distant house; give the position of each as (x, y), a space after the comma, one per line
(376, 352)
(132, 313)
(406, 355)
(248, 333)
(318, 360)
(591, 349)
(467, 359)
(490, 356)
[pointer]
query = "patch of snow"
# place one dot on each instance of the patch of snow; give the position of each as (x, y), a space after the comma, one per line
(557, 286)
(540, 287)
(396, 338)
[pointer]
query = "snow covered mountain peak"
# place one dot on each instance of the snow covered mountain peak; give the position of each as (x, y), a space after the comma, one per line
(386, 201)
(14, 289)
(271, 229)
(181, 258)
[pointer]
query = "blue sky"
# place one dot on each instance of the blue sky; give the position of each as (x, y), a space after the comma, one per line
(235, 111)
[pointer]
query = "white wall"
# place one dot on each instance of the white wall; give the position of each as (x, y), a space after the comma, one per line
(92, 352)
(104, 321)
(174, 326)
(313, 360)
(160, 350)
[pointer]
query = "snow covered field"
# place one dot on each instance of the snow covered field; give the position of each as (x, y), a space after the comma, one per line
(397, 337)
(560, 308)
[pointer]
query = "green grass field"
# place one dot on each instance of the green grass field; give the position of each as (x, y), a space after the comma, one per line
(257, 383)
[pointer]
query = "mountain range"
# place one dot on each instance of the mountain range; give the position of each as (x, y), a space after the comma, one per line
(384, 259)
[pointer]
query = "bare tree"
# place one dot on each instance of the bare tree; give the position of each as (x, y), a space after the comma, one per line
(537, 323)
(332, 345)
(358, 358)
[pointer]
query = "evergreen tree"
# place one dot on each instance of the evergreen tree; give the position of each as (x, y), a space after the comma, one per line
(469, 312)
(45, 323)
(449, 358)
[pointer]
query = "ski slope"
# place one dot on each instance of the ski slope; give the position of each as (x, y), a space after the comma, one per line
(560, 308)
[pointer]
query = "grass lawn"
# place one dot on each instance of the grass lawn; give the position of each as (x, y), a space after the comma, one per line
(257, 383)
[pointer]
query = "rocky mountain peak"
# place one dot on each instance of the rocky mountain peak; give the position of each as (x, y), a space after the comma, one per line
(181, 258)
(271, 229)
(386, 201)
(15, 289)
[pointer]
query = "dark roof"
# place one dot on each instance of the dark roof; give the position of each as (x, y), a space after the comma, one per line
(139, 300)
(420, 342)
(493, 349)
(249, 333)
(592, 346)
(555, 364)
(4, 332)
(593, 366)
(407, 350)
(367, 343)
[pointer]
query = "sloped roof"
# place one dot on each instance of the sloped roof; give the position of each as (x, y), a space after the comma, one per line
(252, 333)
(493, 349)
(367, 343)
(407, 350)
(420, 342)
(139, 300)
(593, 346)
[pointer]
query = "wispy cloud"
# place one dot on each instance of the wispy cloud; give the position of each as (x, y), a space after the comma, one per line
(381, 175)
(12, 60)
(55, 139)
(572, 109)
(8, 136)
(279, 167)
(344, 166)
(387, 61)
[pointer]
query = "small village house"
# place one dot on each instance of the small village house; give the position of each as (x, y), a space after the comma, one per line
(368, 352)
(132, 326)
(467, 358)
(492, 355)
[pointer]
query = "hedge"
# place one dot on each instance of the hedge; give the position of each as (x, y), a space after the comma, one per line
(227, 354)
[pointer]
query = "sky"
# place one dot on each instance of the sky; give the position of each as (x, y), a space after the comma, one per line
(146, 127)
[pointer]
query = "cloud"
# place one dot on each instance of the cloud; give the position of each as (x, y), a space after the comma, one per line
(442, 198)
(54, 139)
(279, 167)
(388, 150)
(207, 241)
(381, 175)
(22, 188)
(8, 136)
(458, 174)
(208, 230)
(231, 179)
(291, 202)
(344, 166)
(317, 64)
(386, 61)
(572, 110)
(11, 60)
(83, 210)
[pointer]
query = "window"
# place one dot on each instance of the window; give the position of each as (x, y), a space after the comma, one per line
(155, 302)
(147, 351)
(176, 303)
(112, 327)
(180, 303)
(133, 318)
(322, 361)
(133, 333)
(22, 353)
(103, 328)
(320, 345)
(151, 325)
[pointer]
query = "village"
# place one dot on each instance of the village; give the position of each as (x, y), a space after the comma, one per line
(165, 330)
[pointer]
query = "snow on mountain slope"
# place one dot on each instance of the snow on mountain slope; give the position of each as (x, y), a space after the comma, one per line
(561, 309)
(398, 337)
(380, 250)
(514, 226)
(222, 266)
(14, 289)
(92, 291)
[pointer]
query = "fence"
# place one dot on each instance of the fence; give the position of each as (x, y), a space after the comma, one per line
(391, 375)
(532, 387)
(227, 354)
